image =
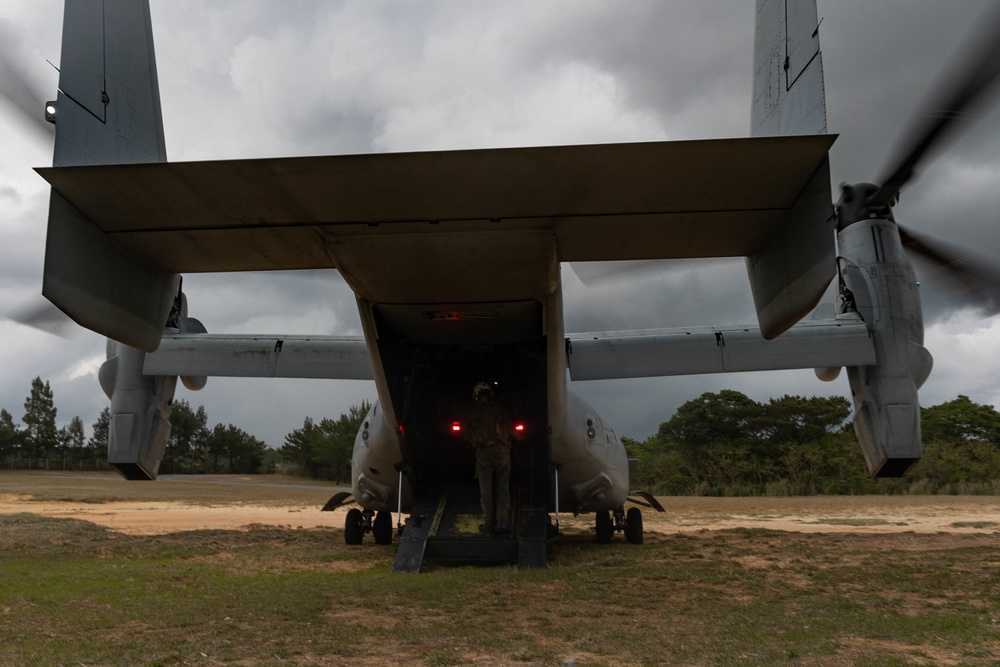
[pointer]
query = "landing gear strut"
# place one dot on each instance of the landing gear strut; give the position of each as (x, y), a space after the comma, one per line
(629, 523)
(359, 522)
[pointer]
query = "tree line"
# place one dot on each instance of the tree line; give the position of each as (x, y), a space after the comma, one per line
(726, 443)
(721, 443)
(192, 446)
(322, 450)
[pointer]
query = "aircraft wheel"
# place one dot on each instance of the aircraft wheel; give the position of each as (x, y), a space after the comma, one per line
(604, 527)
(354, 528)
(382, 528)
(633, 526)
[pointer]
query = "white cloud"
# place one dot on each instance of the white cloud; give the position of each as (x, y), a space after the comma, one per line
(966, 348)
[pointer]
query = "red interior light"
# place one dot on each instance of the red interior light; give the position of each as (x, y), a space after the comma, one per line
(456, 427)
(519, 428)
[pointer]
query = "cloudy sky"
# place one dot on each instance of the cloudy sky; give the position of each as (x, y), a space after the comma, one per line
(249, 78)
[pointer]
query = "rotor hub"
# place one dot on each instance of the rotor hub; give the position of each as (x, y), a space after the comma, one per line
(855, 204)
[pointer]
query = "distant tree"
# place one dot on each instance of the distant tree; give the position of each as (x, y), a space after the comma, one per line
(325, 450)
(336, 446)
(960, 420)
(948, 466)
(188, 436)
(716, 437)
(301, 446)
(726, 442)
(728, 415)
(72, 438)
(658, 466)
(11, 437)
(40, 419)
(243, 452)
(961, 445)
(796, 419)
(830, 463)
(98, 443)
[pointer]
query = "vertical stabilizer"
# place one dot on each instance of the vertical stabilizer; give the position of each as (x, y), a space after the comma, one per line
(790, 271)
(107, 112)
(788, 90)
(108, 109)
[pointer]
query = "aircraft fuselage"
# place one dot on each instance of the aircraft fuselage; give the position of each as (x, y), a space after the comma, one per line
(443, 311)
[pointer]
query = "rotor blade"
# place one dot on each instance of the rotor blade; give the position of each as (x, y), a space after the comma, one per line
(15, 87)
(43, 316)
(597, 274)
(972, 75)
(607, 273)
(977, 278)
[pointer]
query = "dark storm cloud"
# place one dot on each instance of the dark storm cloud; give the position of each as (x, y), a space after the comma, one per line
(883, 64)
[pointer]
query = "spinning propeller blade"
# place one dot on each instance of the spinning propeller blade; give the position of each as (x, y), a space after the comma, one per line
(42, 315)
(966, 83)
(16, 88)
(977, 278)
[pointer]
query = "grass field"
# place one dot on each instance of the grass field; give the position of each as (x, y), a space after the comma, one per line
(73, 593)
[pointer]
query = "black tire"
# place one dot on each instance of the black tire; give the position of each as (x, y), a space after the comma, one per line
(605, 529)
(633, 526)
(382, 528)
(354, 529)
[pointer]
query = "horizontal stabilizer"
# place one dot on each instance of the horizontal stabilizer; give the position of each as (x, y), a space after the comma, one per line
(665, 352)
(661, 200)
(220, 355)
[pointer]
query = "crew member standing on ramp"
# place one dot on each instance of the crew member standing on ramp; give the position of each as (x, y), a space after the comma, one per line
(489, 435)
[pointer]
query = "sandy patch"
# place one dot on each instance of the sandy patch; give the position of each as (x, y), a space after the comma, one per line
(158, 518)
(865, 514)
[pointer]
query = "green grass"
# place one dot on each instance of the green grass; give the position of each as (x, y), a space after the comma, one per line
(102, 488)
(75, 593)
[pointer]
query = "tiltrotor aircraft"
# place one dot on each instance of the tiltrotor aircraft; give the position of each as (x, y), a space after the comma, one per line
(454, 258)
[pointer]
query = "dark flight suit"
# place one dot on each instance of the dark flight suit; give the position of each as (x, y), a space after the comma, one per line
(489, 435)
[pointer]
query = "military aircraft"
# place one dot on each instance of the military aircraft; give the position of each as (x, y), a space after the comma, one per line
(454, 259)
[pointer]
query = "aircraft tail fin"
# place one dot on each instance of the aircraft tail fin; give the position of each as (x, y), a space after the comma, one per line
(790, 270)
(107, 112)
(788, 90)
(108, 108)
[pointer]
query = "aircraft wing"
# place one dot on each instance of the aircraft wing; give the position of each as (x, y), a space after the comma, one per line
(830, 343)
(592, 356)
(222, 355)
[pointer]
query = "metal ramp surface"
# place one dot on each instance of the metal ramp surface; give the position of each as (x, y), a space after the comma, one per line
(444, 526)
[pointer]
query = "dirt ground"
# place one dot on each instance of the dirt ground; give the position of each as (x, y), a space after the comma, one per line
(248, 501)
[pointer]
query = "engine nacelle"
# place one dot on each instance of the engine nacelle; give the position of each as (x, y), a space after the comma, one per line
(140, 412)
(877, 281)
(140, 404)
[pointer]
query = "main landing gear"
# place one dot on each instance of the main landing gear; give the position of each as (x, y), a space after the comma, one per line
(630, 523)
(359, 522)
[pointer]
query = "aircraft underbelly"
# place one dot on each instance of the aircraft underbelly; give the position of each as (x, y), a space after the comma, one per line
(457, 267)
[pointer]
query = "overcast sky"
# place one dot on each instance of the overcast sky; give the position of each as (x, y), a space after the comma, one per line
(245, 78)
